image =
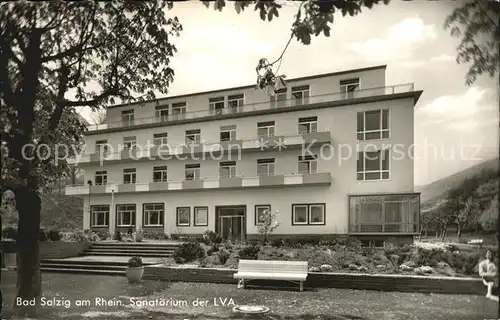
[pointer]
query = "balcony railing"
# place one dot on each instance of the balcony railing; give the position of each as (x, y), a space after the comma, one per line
(267, 105)
(277, 180)
(272, 143)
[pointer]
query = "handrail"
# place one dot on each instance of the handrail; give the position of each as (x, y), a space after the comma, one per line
(202, 143)
(112, 183)
(263, 105)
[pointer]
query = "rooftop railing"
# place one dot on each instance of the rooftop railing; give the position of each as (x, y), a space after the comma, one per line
(266, 105)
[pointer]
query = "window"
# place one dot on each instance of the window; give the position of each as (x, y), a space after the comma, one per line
(236, 100)
(373, 165)
(193, 137)
(153, 214)
(129, 143)
(99, 216)
(179, 108)
(265, 129)
(227, 169)
(281, 94)
(200, 216)
(216, 105)
(299, 213)
(125, 215)
(183, 216)
(162, 112)
(308, 125)
(386, 213)
(160, 174)
(160, 139)
(228, 133)
(373, 125)
(128, 115)
(101, 146)
(192, 171)
(308, 164)
(129, 176)
(308, 214)
(348, 87)
(300, 94)
(265, 167)
(101, 178)
(260, 210)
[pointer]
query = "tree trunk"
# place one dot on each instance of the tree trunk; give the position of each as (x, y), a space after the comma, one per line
(459, 230)
(443, 234)
(29, 280)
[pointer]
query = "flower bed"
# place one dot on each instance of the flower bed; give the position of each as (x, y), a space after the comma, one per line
(416, 259)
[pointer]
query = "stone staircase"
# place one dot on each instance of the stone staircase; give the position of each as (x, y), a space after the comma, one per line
(130, 249)
(110, 258)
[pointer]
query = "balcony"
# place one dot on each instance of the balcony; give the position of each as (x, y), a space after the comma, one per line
(215, 183)
(256, 107)
(275, 143)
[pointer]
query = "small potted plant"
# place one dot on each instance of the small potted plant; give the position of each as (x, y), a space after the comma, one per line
(138, 236)
(135, 269)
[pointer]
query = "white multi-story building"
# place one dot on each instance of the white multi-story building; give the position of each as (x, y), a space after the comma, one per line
(331, 152)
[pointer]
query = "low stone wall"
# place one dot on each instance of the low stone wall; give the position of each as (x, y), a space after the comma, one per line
(402, 283)
(61, 249)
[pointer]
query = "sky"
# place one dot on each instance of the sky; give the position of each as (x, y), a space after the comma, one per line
(456, 126)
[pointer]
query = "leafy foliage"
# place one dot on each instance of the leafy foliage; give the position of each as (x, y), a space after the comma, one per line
(223, 256)
(267, 223)
(134, 262)
(211, 238)
(489, 217)
(188, 252)
(477, 22)
(249, 252)
(54, 235)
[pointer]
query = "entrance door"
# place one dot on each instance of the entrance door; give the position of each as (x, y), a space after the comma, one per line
(232, 228)
(231, 223)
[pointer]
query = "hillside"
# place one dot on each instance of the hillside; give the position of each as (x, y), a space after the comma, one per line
(437, 190)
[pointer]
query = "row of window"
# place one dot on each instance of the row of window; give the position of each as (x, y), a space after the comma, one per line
(154, 215)
(372, 165)
(371, 125)
(217, 104)
(227, 169)
(227, 133)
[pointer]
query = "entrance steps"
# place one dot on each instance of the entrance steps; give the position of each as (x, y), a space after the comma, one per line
(110, 258)
(156, 250)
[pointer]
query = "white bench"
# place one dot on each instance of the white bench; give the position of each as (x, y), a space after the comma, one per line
(292, 271)
(476, 242)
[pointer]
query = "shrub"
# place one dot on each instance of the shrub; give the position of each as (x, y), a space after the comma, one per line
(223, 256)
(175, 236)
(54, 235)
(253, 242)
(277, 243)
(9, 233)
(42, 235)
(211, 238)
(135, 262)
(212, 250)
(249, 253)
(80, 236)
(118, 236)
(188, 252)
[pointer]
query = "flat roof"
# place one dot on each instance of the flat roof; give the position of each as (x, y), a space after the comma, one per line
(322, 75)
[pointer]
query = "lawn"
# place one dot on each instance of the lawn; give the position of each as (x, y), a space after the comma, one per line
(319, 304)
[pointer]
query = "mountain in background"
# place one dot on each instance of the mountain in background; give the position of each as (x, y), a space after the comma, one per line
(437, 190)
